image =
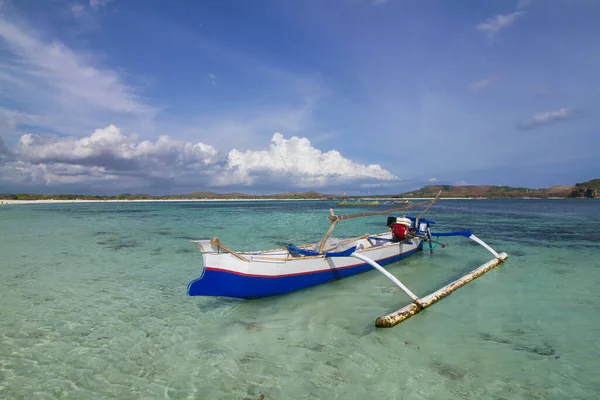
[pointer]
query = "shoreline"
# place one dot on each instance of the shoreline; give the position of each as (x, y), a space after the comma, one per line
(10, 202)
(82, 201)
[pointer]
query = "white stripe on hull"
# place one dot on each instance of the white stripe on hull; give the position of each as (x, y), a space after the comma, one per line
(278, 262)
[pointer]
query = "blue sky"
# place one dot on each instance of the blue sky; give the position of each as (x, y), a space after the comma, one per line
(362, 96)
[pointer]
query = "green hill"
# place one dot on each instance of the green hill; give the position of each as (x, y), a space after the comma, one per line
(585, 189)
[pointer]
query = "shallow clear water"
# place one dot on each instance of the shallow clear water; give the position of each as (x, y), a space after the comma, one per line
(94, 306)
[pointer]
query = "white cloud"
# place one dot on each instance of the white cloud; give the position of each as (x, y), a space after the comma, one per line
(95, 4)
(461, 183)
(109, 155)
(482, 84)
(77, 9)
(432, 180)
(213, 79)
(22, 172)
(111, 149)
(86, 17)
(69, 90)
(296, 158)
(495, 24)
(10, 119)
(547, 117)
(246, 129)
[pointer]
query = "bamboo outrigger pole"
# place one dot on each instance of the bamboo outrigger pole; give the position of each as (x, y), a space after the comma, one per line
(418, 304)
(393, 319)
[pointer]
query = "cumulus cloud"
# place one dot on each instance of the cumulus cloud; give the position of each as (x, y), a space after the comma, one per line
(495, 24)
(111, 149)
(298, 160)
(547, 117)
(108, 155)
(432, 180)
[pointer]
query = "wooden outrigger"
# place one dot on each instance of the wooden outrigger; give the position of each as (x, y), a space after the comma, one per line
(257, 274)
(418, 304)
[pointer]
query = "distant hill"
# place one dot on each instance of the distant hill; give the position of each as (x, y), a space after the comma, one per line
(236, 195)
(586, 189)
(194, 195)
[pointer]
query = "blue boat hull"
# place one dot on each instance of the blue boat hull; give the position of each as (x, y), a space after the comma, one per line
(216, 282)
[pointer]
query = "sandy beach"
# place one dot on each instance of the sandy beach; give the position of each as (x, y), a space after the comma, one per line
(51, 201)
(10, 202)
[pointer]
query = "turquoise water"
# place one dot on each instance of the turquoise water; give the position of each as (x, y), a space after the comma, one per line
(94, 306)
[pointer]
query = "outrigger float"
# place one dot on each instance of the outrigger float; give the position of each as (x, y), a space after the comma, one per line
(256, 274)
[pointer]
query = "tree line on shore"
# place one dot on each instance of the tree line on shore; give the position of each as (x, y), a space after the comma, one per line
(587, 189)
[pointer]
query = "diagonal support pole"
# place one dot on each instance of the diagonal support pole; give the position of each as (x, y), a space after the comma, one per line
(372, 263)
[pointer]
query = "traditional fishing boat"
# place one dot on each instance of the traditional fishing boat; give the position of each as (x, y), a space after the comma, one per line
(256, 274)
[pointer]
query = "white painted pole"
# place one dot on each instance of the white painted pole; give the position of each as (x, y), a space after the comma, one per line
(484, 244)
(388, 275)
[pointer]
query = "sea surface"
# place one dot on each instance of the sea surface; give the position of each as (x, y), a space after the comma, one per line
(93, 306)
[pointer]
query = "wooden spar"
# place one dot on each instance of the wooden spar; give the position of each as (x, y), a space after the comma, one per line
(216, 242)
(393, 319)
(331, 228)
(336, 218)
(333, 217)
(428, 207)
